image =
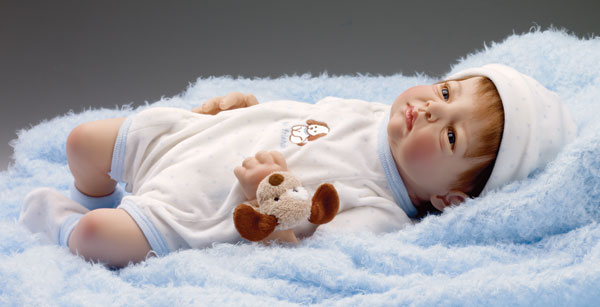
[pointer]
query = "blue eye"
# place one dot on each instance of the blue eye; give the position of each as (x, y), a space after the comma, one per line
(445, 93)
(451, 138)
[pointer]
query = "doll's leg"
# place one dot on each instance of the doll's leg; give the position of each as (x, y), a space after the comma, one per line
(89, 154)
(110, 236)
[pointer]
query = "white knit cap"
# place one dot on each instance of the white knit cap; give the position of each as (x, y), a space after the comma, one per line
(536, 124)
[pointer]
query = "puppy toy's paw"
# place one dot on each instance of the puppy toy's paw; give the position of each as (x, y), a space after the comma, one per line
(251, 224)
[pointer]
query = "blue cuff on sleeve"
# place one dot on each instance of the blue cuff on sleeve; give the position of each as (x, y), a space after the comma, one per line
(156, 241)
(67, 227)
(118, 158)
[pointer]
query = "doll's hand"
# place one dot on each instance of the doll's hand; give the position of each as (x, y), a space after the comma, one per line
(254, 169)
(234, 100)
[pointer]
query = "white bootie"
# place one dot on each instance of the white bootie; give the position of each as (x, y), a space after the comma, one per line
(50, 213)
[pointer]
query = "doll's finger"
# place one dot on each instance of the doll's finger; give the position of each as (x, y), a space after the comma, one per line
(250, 100)
(197, 109)
(264, 157)
(211, 106)
(279, 159)
(249, 162)
(232, 100)
(239, 172)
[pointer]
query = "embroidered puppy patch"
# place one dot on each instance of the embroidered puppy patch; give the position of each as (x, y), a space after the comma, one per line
(302, 134)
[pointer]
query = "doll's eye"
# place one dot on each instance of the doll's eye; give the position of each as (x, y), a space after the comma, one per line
(295, 190)
(276, 199)
(451, 138)
(445, 93)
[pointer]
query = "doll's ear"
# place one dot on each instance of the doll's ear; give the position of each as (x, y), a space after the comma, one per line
(253, 225)
(325, 204)
(453, 197)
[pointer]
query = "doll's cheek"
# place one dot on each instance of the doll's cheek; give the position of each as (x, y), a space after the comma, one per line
(420, 149)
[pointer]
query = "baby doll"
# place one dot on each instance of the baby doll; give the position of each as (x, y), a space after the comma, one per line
(436, 146)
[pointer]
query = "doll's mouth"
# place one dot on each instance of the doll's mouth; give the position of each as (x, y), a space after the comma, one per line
(410, 119)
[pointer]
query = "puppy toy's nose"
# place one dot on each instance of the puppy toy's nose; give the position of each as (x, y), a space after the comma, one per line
(275, 179)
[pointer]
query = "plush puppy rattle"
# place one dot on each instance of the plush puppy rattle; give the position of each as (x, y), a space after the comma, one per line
(283, 204)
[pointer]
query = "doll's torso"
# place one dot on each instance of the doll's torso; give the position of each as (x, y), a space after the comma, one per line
(185, 178)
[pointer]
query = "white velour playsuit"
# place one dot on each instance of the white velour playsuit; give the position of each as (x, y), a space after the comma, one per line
(178, 166)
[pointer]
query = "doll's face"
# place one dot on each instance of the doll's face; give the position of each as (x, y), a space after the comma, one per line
(431, 128)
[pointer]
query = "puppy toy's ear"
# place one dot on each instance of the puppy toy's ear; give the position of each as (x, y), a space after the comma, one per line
(325, 204)
(251, 224)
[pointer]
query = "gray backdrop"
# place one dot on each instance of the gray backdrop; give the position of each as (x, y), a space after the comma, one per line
(57, 56)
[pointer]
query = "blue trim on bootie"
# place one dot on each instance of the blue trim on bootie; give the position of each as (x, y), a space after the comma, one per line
(67, 227)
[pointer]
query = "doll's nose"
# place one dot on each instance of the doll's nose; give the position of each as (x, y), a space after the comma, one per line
(431, 110)
(275, 179)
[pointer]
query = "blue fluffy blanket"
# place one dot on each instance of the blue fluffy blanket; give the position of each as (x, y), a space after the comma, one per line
(534, 242)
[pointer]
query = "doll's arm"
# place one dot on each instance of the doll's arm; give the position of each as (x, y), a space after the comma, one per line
(255, 168)
(233, 100)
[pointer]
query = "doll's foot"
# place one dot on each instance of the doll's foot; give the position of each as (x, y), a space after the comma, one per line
(46, 211)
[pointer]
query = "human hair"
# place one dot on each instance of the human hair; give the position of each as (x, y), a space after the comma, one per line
(485, 149)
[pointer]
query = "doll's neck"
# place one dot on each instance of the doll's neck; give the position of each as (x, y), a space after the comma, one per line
(417, 196)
